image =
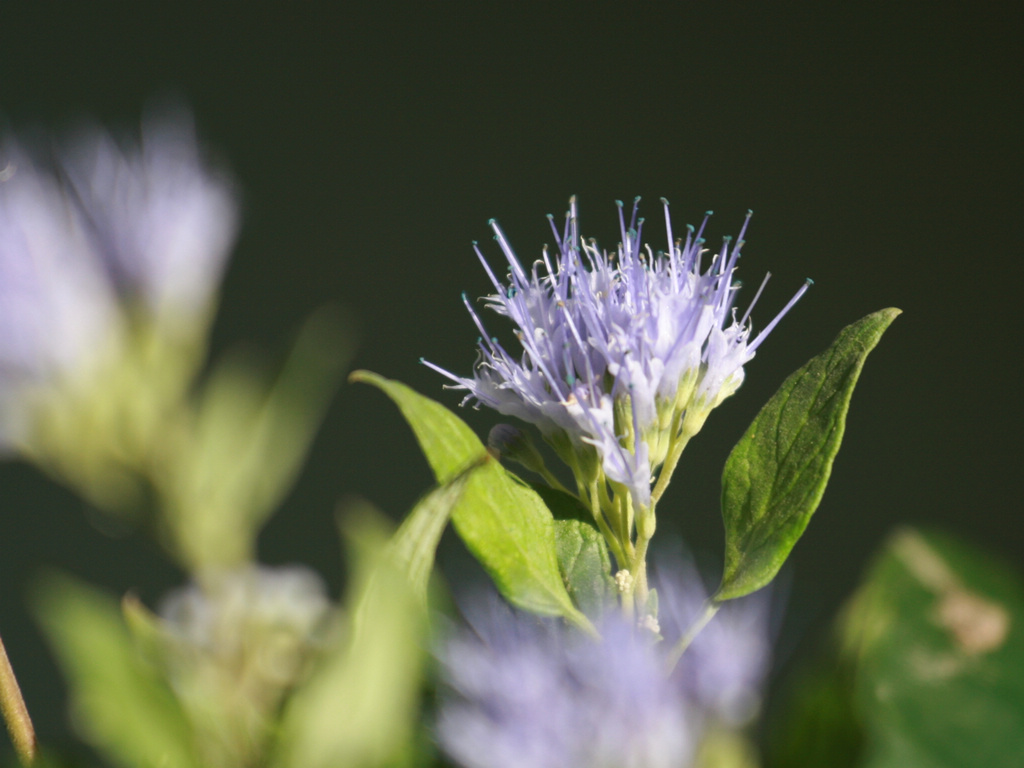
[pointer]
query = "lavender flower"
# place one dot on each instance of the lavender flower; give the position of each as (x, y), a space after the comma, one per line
(725, 666)
(57, 311)
(624, 354)
(161, 221)
(97, 238)
(524, 693)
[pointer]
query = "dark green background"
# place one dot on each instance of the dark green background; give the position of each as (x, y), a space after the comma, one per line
(879, 146)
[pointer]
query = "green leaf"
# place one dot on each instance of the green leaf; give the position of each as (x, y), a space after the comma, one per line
(930, 668)
(776, 475)
(502, 521)
(359, 707)
(937, 636)
(120, 704)
(583, 556)
(818, 727)
(226, 473)
(414, 544)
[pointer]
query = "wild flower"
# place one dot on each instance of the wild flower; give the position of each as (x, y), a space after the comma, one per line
(56, 308)
(623, 354)
(161, 220)
(99, 241)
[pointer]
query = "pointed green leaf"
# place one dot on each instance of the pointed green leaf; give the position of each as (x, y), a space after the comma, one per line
(225, 474)
(359, 706)
(448, 443)
(583, 556)
(776, 475)
(121, 705)
(502, 521)
(414, 544)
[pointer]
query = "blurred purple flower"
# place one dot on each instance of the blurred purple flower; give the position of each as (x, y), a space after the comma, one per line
(527, 693)
(94, 232)
(618, 349)
(725, 666)
(162, 222)
(56, 308)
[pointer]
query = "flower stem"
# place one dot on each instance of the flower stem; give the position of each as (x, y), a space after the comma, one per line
(15, 713)
(553, 481)
(639, 570)
(711, 607)
(613, 541)
(669, 466)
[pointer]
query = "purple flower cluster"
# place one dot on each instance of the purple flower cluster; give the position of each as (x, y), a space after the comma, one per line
(625, 353)
(526, 693)
(94, 233)
(162, 223)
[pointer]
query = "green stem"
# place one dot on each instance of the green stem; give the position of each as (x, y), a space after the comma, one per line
(711, 607)
(669, 466)
(595, 509)
(551, 480)
(581, 622)
(12, 706)
(628, 607)
(624, 515)
(639, 569)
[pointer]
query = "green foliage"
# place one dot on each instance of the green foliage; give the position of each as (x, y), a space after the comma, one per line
(930, 666)
(359, 706)
(119, 702)
(414, 544)
(225, 470)
(820, 727)
(583, 557)
(502, 521)
(776, 475)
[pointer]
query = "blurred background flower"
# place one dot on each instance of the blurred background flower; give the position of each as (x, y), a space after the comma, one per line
(57, 313)
(237, 647)
(111, 257)
(523, 691)
(161, 220)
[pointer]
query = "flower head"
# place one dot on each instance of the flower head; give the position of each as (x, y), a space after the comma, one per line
(96, 236)
(625, 353)
(530, 694)
(161, 221)
(55, 305)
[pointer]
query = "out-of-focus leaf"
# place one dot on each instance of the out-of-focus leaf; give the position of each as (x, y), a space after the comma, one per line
(145, 627)
(930, 665)
(819, 726)
(118, 701)
(937, 637)
(229, 471)
(725, 748)
(776, 475)
(359, 706)
(503, 522)
(583, 557)
(414, 544)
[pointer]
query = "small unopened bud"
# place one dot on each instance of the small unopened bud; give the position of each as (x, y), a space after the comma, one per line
(624, 581)
(508, 442)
